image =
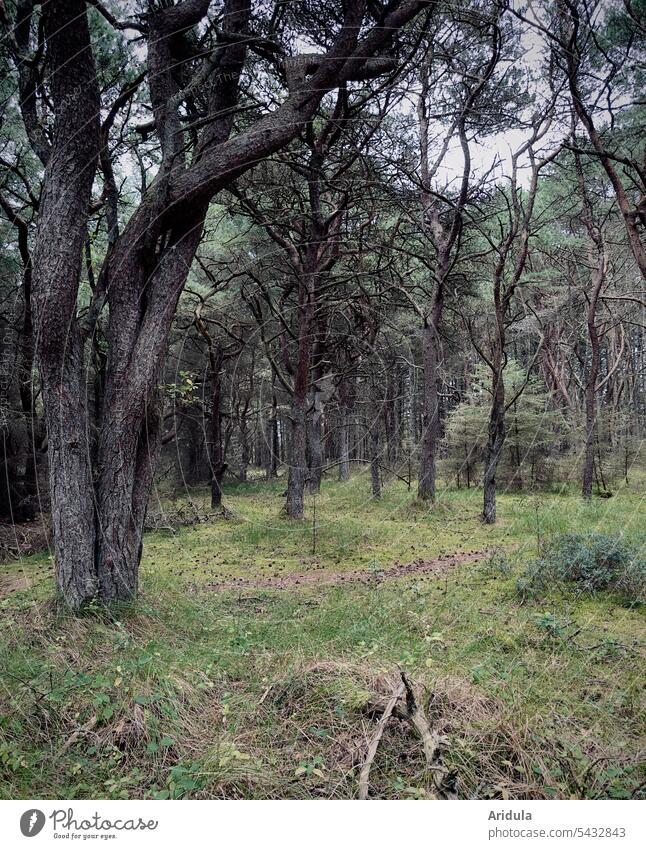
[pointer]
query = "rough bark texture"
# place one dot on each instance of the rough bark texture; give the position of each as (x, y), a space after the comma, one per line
(316, 440)
(375, 456)
(298, 471)
(495, 442)
(431, 354)
(56, 271)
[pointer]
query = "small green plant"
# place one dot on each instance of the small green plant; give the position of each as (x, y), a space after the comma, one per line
(314, 766)
(551, 625)
(499, 564)
(185, 780)
(589, 563)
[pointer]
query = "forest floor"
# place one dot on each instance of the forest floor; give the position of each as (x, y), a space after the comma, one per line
(254, 658)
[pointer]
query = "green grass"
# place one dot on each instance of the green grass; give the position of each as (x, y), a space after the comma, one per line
(264, 693)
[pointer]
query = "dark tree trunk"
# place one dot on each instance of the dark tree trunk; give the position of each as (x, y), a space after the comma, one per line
(216, 458)
(495, 443)
(344, 446)
(430, 408)
(390, 418)
(591, 396)
(375, 451)
(347, 391)
(316, 441)
(298, 471)
(273, 446)
(56, 273)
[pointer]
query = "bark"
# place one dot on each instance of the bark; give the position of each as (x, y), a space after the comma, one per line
(316, 441)
(630, 214)
(56, 273)
(375, 455)
(390, 417)
(430, 410)
(347, 391)
(591, 383)
(495, 442)
(273, 447)
(216, 458)
(344, 446)
(298, 471)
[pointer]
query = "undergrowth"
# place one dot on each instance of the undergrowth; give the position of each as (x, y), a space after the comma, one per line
(257, 693)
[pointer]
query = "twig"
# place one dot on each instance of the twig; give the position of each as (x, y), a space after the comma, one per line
(364, 775)
(431, 742)
(89, 725)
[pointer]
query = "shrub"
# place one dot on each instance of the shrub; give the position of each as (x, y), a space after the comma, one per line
(589, 562)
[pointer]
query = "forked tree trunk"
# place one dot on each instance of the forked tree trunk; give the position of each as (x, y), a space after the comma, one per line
(98, 512)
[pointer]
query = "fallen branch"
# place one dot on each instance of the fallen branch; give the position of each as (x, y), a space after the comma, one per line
(364, 775)
(84, 729)
(432, 743)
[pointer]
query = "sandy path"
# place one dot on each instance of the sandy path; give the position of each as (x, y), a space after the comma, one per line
(439, 566)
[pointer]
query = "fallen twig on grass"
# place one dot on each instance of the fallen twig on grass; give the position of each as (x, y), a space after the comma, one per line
(432, 743)
(84, 729)
(364, 775)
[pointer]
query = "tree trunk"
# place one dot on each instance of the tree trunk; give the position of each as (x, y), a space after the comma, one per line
(430, 412)
(591, 400)
(316, 442)
(344, 446)
(390, 418)
(216, 458)
(297, 459)
(374, 458)
(495, 443)
(59, 242)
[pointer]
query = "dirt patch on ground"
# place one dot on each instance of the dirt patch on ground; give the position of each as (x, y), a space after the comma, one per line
(439, 566)
(21, 540)
(10, 583)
